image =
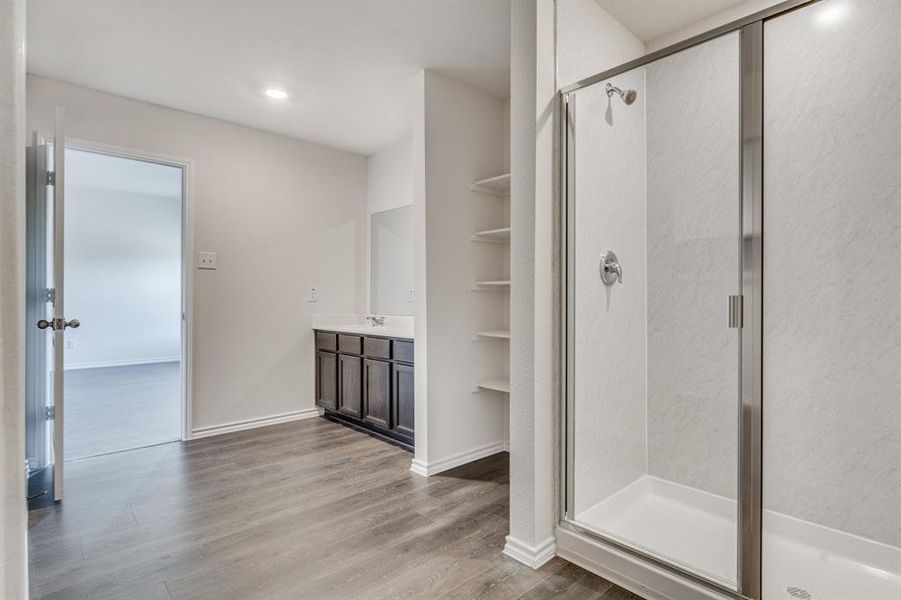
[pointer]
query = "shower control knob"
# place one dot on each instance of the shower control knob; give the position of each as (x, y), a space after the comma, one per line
(610, 270)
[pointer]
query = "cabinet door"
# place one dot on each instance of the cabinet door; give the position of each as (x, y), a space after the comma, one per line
(327, 380)
(350, 398)
(402, 399)
(377, 393)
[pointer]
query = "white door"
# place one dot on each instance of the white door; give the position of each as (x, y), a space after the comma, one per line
(46, 314)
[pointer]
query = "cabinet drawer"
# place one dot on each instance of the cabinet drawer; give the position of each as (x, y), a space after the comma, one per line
(403, 351)
(352, 344)
(326, 341)
(377, 347)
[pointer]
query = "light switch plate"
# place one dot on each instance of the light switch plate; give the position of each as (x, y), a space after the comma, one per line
(206, 260)
(411, 296)
(313, 295)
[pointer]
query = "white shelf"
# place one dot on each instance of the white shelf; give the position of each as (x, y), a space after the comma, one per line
(501, 334)
(497, 385)
(501, 234)
(494, 284)
(496, 186)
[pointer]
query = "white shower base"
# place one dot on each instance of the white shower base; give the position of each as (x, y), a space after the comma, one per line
(697, 531)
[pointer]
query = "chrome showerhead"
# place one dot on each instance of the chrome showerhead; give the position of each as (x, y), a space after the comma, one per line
(627, 96)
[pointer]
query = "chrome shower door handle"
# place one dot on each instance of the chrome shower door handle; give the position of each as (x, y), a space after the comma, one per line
(610, 270)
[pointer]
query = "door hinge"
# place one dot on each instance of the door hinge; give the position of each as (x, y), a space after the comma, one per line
(49, 413)
(736, 311)
(51, 178)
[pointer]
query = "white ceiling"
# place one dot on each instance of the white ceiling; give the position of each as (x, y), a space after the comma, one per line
(651, 19)
(105, 172)
(346, 64)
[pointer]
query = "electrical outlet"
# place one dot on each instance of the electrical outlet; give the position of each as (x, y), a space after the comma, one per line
(411, 296)
(313, 295)
(206, 260)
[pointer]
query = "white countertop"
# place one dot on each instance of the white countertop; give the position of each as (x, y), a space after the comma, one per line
(383, 330)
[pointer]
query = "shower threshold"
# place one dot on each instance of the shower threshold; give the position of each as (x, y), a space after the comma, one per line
(696, 530)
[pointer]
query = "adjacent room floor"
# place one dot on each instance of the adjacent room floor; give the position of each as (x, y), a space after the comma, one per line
(308, 509)
(110, 409)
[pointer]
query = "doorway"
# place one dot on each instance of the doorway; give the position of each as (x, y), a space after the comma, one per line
(107, 227)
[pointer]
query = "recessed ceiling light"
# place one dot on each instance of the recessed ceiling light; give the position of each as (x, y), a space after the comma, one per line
(276, 93)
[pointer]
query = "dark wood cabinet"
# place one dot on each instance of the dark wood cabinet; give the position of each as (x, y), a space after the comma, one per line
(402, 400)
(350, 376)
(366, 382)
(377, 393)
(327, 380)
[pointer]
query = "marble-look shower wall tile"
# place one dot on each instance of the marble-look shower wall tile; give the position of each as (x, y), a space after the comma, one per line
(693, 265)
(610, 328)
(832, 265)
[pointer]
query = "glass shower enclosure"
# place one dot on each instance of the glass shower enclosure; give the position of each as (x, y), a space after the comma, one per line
(732, 297)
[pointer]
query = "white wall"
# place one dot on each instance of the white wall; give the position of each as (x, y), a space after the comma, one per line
(733, 13)
(693, 265)
(590, 40)
(526, 534)
(610, 322)
(123, 266)
(553, 44)
(610, 440)
(13, 544)
(282, 214)
(832, 283)
(458, 140)
(534, 309)
(656, 369)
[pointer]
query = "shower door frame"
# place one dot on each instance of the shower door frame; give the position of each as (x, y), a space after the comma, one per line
(750, 433)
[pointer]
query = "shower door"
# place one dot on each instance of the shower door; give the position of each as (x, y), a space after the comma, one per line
(654, 308)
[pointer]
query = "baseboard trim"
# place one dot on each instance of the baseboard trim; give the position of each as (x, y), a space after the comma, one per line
(122, 363)
(428, 469)
(298, 415)
(531, 556)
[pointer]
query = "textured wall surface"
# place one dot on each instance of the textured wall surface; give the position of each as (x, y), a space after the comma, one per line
(609, 321)
(693, 265)
(832, 250)
(13, 551)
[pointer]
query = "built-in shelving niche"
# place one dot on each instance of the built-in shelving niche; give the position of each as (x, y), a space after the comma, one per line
(494, 339)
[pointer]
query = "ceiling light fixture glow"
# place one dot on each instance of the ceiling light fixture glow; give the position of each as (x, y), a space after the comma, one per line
(832, 12)
(276, 93)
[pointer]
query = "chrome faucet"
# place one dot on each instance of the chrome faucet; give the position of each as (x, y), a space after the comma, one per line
(376, 320)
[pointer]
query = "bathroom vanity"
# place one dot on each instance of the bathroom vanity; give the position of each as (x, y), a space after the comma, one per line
(364, 379)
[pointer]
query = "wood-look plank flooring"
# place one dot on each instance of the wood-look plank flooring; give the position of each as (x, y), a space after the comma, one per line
(308, 509)
(110, 409)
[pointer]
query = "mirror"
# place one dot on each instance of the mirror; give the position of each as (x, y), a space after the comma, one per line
(391, 262)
